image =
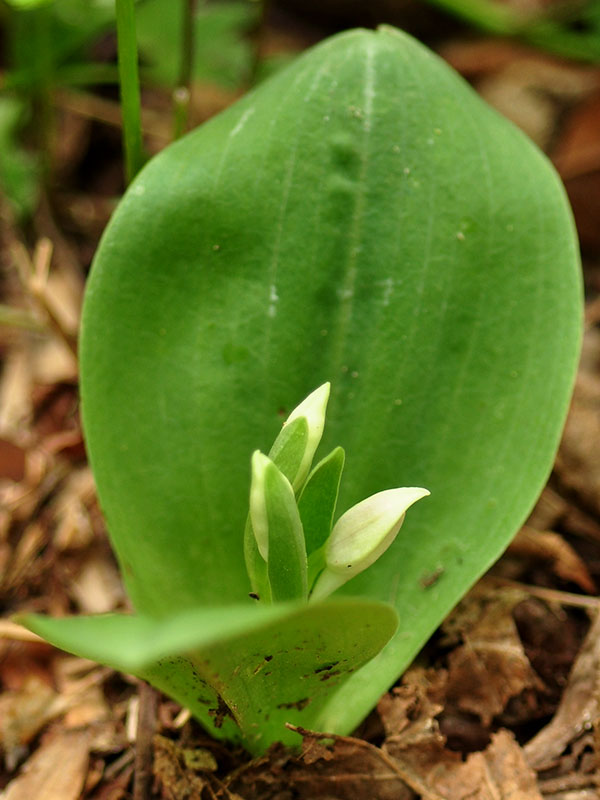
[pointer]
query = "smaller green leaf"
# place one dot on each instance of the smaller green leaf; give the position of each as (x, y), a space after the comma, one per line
(286, 563)
(319, 498)
(275, 523)
(243, 670)
(133, 642)
(289, 448)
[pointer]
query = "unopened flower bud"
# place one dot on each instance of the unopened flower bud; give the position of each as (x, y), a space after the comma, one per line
(362, 535)
(294, 455)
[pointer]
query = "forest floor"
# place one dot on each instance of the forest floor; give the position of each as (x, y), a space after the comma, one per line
(504, 701)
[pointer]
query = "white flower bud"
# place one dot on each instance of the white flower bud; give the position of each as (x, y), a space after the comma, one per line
(362, 535)
(313, 409)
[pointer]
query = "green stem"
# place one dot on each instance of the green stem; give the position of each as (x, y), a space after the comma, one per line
(187, 43)
(130, 88)
(258, 36)
(182, 94)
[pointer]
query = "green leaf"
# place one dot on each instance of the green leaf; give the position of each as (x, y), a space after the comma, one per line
(319, 497)
(362, 218)
(244, 671)
(277, 529)
(286, 565)
(289, 448)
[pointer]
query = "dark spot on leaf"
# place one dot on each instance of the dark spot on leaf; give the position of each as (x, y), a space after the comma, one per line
(431, 578)
(220, 712)
(268, 658)
(326, 667)
(299, 704)
(329, 675)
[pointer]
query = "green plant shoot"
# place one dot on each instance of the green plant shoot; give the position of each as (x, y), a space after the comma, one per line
(361, 218)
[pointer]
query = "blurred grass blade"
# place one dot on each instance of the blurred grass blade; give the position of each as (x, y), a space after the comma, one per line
(130, 87)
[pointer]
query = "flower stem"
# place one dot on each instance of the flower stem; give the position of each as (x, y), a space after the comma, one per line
(130, 88)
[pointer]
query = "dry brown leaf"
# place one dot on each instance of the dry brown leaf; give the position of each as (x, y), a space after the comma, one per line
(52, 362)
(97, 589)
(23, 713)
(337, 768)
(12, 461)
(70, 511)
(408, 712)
(20, 500)
(498, 773)
(314, 750)
(16, 384)
(349, 769)
(491, 666)
(546, 545)
(23, 564)
(530, 91)
(578, 710)
(114, 788)
(13, 632)
(56, 771)
(549, 510)
(474, 58)
(578, 460)
(578, 149)
(413, 738)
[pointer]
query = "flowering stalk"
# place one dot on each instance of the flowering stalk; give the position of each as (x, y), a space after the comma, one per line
(290, 545)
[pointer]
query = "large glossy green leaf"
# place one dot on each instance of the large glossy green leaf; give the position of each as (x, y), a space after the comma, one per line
(243, 671)
(361, 218)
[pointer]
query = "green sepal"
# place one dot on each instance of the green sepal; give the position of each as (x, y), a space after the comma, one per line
(319, 498)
